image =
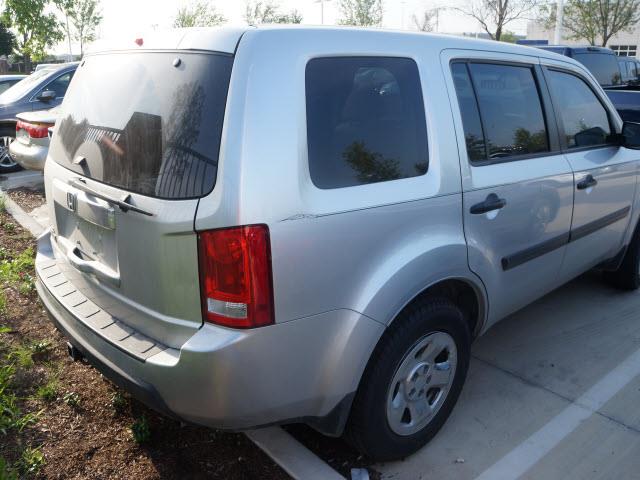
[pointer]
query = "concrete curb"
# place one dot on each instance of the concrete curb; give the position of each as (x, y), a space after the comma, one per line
(22, 217)
(286, 451)
(291, 455)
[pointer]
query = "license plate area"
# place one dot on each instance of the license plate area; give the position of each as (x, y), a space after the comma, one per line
(87, 223)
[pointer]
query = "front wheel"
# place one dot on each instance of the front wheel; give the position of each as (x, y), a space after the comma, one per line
(412, 381)
(7, 163)
(627, 276)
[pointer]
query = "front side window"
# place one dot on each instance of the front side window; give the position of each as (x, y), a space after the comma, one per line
(510, 111)
(584, 119)
(59, 85)
(365, 121)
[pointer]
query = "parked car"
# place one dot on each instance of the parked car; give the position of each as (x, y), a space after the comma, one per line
(604, 64)
(629, 70)
(31, 145)
(41, 90)
(7, 81)
(268, 225)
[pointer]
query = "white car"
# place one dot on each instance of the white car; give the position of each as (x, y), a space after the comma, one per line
(33, 132)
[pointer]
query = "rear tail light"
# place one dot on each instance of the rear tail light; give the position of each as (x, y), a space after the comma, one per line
(35, 130)
(235, 276)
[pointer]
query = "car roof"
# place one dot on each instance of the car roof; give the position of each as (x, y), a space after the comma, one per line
(225, 39)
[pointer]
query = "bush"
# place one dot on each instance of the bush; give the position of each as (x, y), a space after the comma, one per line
(140, 430)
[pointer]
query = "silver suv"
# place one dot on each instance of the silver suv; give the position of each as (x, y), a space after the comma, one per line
(273, 225)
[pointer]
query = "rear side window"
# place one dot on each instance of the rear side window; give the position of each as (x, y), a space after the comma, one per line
(508, 107)
(365, 121)
(583, 117)
(146, 122)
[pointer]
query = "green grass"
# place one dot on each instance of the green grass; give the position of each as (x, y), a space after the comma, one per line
(22, 355)
(119, 402)
(31, 461)
(140, 430)
(18, 271)
(71, 398)
(10, 415)
(3, 203)
(6, 472)
(49, 391)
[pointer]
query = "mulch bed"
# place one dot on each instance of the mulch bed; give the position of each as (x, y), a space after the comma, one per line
(93, 439)
(28, 199)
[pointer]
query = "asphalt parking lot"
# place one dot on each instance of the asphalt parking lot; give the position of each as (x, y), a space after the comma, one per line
(553, 392)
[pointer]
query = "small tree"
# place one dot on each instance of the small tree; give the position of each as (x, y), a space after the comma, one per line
(424, 22)
(508, 37)
(494, 15)
(35, 30)
(361, 12)
(199, 14)
(257, 12)
(7, 40)
(84, 17)
(595, 21)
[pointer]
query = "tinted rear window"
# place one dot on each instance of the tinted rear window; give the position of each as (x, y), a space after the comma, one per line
(145, 124)
(365, 121)
(602, 65)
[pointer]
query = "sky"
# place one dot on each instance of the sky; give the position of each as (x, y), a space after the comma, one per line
(132, 17)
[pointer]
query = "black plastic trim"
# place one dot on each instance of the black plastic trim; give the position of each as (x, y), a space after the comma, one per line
(534, 252)
(528, 254)
(596, 225)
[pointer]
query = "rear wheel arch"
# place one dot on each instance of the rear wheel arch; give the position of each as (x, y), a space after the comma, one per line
(467, 295)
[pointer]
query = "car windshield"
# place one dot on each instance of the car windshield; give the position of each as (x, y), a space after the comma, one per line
(603, 66)
(23, 87)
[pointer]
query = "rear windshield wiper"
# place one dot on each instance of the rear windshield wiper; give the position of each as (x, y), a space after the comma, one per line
(123, 203)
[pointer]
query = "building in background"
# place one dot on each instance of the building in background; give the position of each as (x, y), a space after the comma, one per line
(624, 44)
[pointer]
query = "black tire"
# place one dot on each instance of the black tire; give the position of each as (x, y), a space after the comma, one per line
(4, 167)
(627, 276)
(368, 428)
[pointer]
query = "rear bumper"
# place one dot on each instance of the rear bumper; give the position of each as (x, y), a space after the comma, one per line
(301, 370)
(31, 157)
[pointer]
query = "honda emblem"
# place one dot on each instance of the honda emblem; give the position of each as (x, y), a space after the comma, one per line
(71, 201)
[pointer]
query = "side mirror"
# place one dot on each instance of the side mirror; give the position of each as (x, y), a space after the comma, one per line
(47, 96)
(631, 135)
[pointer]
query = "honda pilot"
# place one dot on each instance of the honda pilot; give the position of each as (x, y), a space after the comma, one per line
(270, 225)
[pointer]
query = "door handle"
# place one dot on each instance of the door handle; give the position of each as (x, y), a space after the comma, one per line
(492, 202)
(587, 182)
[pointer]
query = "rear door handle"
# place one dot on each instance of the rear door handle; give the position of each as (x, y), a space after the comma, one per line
(492, 202)
(587, 182)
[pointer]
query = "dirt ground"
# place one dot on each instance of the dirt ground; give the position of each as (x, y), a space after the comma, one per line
(69, 422)
(27, 198)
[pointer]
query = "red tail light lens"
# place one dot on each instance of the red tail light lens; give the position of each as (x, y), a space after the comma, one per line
(235, 276)
(35, 130)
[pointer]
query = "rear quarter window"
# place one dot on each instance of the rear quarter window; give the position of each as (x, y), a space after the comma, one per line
(365, 121)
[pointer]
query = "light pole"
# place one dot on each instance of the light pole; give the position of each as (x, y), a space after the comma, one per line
(557, 34)
(321, 2)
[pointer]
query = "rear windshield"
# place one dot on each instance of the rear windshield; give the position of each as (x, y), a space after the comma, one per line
(148, 123)
(603, 66)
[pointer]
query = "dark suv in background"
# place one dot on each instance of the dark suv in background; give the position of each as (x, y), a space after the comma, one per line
(612, 74)
(42, 90)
